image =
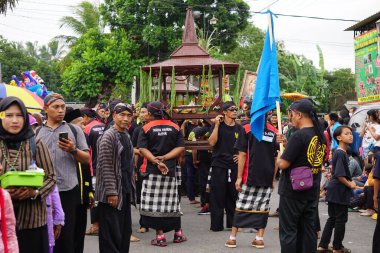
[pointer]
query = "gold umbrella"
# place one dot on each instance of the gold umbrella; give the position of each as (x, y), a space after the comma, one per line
(294, 95)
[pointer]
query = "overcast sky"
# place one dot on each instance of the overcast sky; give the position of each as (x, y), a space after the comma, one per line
(37, 20)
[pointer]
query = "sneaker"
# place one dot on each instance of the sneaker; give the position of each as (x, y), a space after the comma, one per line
(258, 244)
(179, 238)
(274, 214)
(204, 211)
(194, 202)
(230, 243)
(159, 243)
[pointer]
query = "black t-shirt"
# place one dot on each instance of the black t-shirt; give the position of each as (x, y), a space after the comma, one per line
(160, 137)
(126, 156)
(337, 192)
(202, 131)
(135, 137)
(132, 127)
(300, 151)
(224, 151)
(95, 132)
(261, 156)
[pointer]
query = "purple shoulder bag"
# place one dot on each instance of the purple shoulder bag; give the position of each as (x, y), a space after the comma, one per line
(302, 177)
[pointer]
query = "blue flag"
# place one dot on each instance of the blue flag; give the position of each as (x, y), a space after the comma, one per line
(267, 90)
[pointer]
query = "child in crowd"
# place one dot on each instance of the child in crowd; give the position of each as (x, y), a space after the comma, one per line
(339, 192)
(8, 241)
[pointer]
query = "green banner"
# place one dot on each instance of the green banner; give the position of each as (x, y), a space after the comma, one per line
(367, 67)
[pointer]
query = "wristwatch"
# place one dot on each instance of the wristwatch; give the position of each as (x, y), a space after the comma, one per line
(75, 151)
(36, 193)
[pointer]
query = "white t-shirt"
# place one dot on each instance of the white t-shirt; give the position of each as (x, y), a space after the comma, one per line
(377, 132)
(367, 138)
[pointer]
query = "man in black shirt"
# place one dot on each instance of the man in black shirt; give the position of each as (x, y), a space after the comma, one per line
(298, 208)
(254, 183)
(139, 159)
(223, 194)
(161, 142)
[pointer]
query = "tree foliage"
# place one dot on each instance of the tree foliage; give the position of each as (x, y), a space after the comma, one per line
(5, 4)
(100, 64)
(156, 26)
(16, 58)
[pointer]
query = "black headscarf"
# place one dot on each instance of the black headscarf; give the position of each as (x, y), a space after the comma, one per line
(26, 131)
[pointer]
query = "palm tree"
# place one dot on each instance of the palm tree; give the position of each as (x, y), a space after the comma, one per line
(87, 16)
(5, 4)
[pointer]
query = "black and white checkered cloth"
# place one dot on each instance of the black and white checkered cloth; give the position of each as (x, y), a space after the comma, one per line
(208, 180)
(254, 199)
(159, 197)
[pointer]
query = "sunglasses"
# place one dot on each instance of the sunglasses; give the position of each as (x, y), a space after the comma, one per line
(232, 109)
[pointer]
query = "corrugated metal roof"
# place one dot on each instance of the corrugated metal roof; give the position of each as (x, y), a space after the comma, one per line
(364, 22)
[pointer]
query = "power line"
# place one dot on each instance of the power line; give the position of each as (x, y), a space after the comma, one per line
(310, 17)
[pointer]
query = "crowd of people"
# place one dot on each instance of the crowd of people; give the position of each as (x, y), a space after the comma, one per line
(116, 156)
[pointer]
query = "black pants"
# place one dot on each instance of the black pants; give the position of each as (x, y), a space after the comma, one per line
(80, 228)
(223, 196)
(298, 225)
(70, 201)
(376, 236)
(204, 169)
(33, 240)
(338, 216)
(115, 227)
(368, 194)
(94, 215)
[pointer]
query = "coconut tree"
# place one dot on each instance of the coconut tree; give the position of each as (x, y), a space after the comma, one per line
(86, 16)
(5, 4)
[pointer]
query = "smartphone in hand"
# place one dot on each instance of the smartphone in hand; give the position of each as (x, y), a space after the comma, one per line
(63, 136)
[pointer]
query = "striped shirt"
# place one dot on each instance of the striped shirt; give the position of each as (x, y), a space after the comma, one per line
(65, 164)
(31, 213)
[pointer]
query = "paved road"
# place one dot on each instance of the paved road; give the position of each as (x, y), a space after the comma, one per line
(359, 231)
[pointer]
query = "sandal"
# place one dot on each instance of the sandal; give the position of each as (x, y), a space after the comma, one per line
(92, 231)
(142, 230)
(342, 250)
(179, 239)
(323, 250)
(159, 243)
(134, 239)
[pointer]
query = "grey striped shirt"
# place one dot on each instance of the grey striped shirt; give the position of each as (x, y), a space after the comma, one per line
(64, 163)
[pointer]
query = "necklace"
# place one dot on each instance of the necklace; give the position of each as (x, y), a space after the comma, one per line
(11, 165)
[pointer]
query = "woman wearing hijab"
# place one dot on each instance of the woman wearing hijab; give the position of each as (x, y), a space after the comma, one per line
(17, 150)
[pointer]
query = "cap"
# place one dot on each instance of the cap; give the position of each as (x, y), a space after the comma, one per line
(305, 105)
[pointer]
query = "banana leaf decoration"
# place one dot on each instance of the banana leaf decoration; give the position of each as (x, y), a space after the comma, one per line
(210, 83)
(237, 87)
(150, 81)
(172, 91)
(187, 101)
(224, 91)
(201, 86)
(159, 84)
(142, 86)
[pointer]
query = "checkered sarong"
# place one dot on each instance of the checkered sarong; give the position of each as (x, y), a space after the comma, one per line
(159, 197)
(254, 199)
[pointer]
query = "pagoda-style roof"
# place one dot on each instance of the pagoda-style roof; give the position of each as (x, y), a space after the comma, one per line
(190, 58)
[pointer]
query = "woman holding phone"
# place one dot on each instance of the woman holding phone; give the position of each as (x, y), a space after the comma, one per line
(18, 149)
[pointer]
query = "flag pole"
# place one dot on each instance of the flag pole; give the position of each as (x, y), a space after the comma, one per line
(278, 110)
